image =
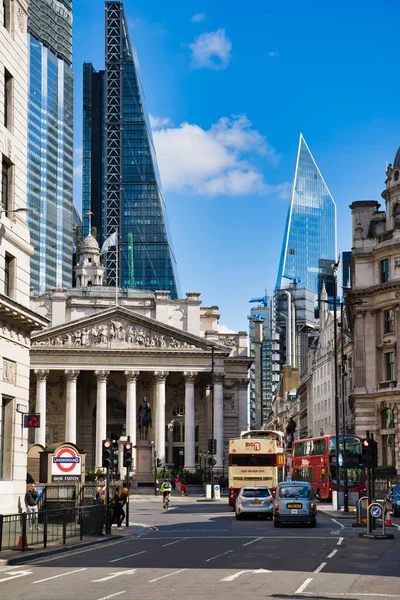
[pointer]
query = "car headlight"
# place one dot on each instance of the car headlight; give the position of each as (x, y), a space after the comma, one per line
(397, 501)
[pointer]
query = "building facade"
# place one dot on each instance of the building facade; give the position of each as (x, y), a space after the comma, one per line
(121, 184)
(146, 345)
(16, 319)
(50, 142)
(309, 243)
(374, 310)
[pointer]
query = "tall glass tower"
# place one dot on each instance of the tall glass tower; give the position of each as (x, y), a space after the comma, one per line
(309, 243)
(121, 183)
(50, 142)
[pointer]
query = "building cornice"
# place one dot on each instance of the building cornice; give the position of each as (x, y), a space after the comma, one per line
(20, 315)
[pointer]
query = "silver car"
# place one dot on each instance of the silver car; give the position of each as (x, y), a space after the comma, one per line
(295, 503)
(254, 500)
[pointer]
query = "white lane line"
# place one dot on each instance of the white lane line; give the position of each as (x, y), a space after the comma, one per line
(321, 566)
(303, 586)
(239, 573)
(15, 575)
(219, 555)
(114, 575)
(175, 542)
(332, 554)
(129, 556)
(59, 575)
(337, 523)
(340, 541)
(167, 575)
(252, 541)
(112, 595)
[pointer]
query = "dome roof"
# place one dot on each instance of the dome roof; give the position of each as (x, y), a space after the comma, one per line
(89, 242)
(396, 164)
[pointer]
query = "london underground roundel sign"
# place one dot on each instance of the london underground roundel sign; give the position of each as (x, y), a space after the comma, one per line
(66, 461)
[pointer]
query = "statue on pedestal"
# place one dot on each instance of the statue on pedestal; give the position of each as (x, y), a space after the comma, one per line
(144, 419)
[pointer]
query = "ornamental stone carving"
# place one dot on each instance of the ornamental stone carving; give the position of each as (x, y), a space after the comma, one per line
(102, 375)
(115, 334)
(228, 340)
(190, 376)
(9, 371)
(219, 377)
(243, 384)
(71, 375)
(132, 375)
(41, 374)
(161, 376)
(21, 20)
(229, 402)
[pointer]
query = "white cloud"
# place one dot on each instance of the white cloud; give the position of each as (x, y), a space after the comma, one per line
(273, 53)
(159, 122)
(211, 50)
(225, 329)
(198, 18)
(214, 161)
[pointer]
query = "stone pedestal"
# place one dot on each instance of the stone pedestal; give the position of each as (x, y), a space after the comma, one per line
(144, 476)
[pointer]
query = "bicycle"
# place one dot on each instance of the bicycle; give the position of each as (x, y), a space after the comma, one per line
(166, 502)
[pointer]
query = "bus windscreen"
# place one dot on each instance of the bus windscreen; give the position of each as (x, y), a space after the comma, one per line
(253, 460)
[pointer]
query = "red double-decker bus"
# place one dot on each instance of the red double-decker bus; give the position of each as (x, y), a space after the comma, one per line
(314, 460)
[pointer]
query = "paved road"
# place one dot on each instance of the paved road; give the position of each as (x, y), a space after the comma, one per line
(198, 551)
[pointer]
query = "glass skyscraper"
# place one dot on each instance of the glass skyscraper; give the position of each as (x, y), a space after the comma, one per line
(121, 183)
(309, 243)
(50, 142)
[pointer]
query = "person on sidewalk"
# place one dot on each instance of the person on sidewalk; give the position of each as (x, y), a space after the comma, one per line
(31, 505)
(115, 507)
(123, 497)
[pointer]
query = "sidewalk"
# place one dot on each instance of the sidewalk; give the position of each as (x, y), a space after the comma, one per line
(337, 514)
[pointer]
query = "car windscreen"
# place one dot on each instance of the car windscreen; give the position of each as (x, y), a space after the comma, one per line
(255, 493)
(396, 492)
(297, 491)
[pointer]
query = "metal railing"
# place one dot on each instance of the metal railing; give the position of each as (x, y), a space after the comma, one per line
(23, 530)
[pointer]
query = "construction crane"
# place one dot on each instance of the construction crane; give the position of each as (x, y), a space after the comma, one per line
(264, 300)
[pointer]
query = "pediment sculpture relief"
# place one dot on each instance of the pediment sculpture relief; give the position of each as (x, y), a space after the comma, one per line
(114, 334)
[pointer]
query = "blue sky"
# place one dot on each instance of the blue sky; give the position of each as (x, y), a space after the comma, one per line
(230, 85)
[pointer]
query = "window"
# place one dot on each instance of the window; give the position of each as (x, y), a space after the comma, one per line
(9, 275)
(384, 270)
(7, 14)
(389, 363)
(387, 418)
(388, 450)
(388, 316)
(6, 183)
(8, 99)
(6, 437)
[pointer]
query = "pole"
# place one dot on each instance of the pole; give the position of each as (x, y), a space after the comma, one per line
(343, 381)
(335, 351)
(116, 266)
(261, 381)
(212, 422)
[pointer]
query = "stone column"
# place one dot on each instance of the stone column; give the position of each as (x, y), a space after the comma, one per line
(189, 421)
(131, 378)
(219, 417)
(70, 406)
(170, 445)
(160, 377)
(101, 413)
(41, 377)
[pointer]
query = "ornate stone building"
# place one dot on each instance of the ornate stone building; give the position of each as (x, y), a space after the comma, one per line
(16, 319)
(373, 305)
(95, 363)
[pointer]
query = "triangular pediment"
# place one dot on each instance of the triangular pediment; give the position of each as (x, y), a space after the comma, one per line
(119, 328)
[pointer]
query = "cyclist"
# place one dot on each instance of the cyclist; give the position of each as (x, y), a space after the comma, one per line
(165, 489)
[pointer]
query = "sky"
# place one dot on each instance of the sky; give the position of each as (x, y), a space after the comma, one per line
(229, 86)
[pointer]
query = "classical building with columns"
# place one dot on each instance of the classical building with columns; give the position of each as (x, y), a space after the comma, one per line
(101, 356)
(373, 305)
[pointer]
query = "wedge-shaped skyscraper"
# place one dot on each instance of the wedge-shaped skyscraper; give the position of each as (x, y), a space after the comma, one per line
(121, 184)
(309, 244)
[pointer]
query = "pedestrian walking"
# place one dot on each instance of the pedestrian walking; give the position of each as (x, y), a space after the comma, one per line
(183, 487)
(116, 508)
(31, 505)
(123, 497)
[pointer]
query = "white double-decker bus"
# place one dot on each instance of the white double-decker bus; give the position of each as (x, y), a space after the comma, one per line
(256, 458)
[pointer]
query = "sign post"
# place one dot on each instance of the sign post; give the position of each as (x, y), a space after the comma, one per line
(66, 465)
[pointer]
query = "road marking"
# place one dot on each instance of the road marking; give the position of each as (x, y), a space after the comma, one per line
(219, 555)
(239, 573)
(128, 556)
(322, 594)
(321, 566)
(175, 542)
(114, 575)
(332, 554)
(340, 541)
(112, 595)
(251, 542)
(15, 575)
(337, 523)
(63, 554)
(167, 575)
(59, 575)
(303, 586)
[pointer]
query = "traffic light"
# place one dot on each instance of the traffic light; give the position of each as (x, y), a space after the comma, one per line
(114, 452)
(106, 455)
(212, 446)
(127, 455)
(159, 463)
(369, 452)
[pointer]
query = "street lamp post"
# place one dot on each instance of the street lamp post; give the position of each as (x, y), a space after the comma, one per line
(343, 386)
(212, 423)
(335, 352)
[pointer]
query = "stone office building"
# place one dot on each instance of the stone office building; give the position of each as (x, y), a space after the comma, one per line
(373, 305)
(100, 357)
